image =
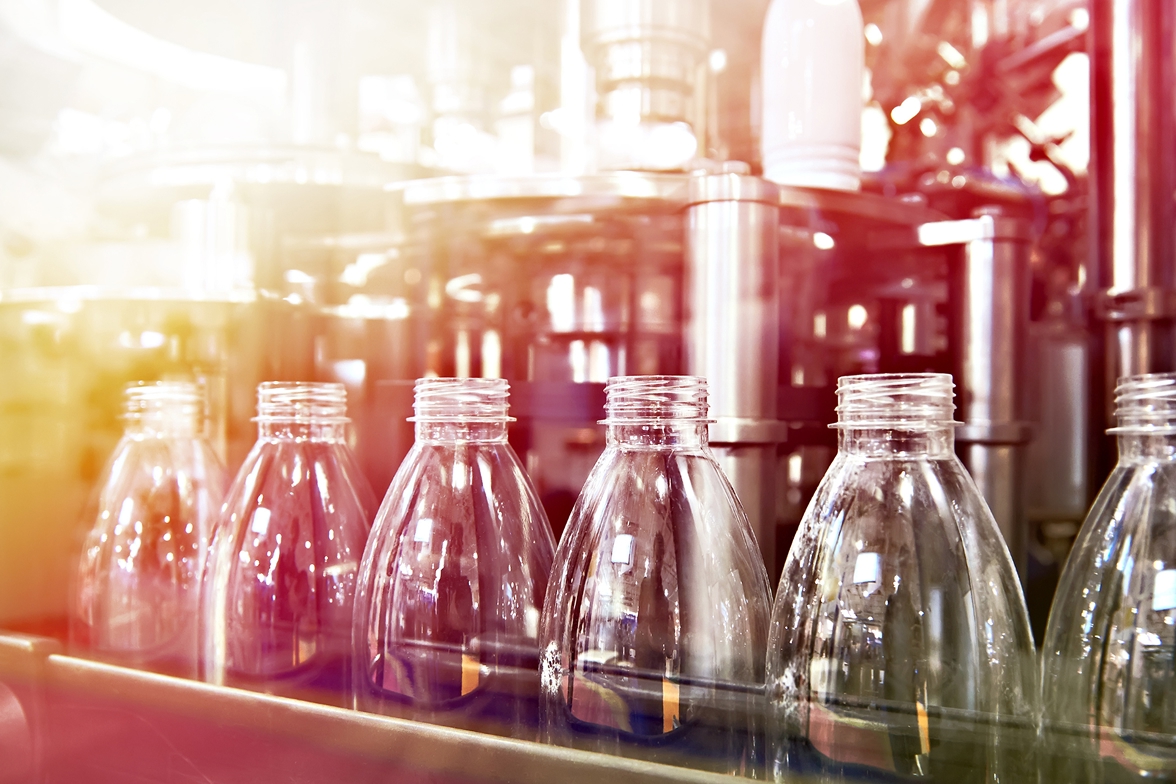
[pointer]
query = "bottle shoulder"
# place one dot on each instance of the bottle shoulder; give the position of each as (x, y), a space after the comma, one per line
(901, 547)
(663, 507)
(445, 490)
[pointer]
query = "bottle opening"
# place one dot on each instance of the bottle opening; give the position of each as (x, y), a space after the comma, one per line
(180, 401)
(637, 399)
(1146, 405)
(301, 401)
(887, 401)
(461, 400)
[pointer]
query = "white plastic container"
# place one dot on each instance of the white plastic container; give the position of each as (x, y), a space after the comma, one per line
(813, 59)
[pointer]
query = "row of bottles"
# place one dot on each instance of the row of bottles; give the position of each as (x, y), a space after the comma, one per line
(898, 645)
(255, 584)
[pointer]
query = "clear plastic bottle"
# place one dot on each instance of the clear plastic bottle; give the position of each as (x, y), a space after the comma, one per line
(137, 588)
(280, 583)
(657, 613)
(454, 574)
(900, 643)
(1109, 656)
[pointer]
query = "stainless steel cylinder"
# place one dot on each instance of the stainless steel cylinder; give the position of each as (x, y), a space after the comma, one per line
(646, 54)
(992, 303)
(1057, 470)
(1133, 78)
(732, 331)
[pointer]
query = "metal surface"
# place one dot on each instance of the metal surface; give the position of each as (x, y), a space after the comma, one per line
(998, 471)
(23, 737)
(1059, 483)
(675, 190)
(991, 293)
(16, 740)
(99, 722)
(870, 206)
(1133, 130)
(732, 183)
(620, 185)
(646, 54)
(982, 228)
(732, 332)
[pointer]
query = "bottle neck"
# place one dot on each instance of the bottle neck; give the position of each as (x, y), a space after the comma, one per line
(666, 434)
(932, 442)
(656, 412)
(301, 430)
(165, 424)
(301, 411)
(164, 409)
(461, 410)
(454, 431)
(1138, 447)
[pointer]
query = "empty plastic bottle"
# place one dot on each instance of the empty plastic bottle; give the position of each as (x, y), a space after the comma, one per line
(656, 617)
(900, 643)
(1109, 656)
(453, 578)
(280, 583)
(137, 589)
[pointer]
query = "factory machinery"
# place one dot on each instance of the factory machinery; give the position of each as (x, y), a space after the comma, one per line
(299, 261)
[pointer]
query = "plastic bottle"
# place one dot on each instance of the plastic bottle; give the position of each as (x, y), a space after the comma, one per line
(900, 643)
(1108, 665)
(453, 578)
(138, 582)
(656, 617)
(280, 583)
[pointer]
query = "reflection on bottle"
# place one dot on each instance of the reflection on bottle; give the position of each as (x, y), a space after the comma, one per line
(280, 583)
(1109, 657)
(900, 642)
(656, 616)
(138, 582)
(453, 578)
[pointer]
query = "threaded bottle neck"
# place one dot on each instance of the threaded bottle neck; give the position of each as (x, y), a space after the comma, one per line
(901, 414)
(1145, 412)
(302, 410)
(461, 409)
(1146, 405)
(163, 409)
(656, 411)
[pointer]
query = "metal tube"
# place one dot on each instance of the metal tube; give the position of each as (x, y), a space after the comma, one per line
(646, 54)
(1134, 174)
(732, 331)
(991, 302)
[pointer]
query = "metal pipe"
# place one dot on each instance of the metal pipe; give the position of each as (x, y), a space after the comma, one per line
(732, 331)
(646, 54)
(1133, 133)
(990, 316)
(992, 303)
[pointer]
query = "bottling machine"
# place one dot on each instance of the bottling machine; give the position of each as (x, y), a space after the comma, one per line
(586, 255)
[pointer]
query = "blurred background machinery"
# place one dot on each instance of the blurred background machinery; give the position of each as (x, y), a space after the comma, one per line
(554, 193)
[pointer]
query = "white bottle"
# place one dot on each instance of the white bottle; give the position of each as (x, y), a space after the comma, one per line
(813, 59)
